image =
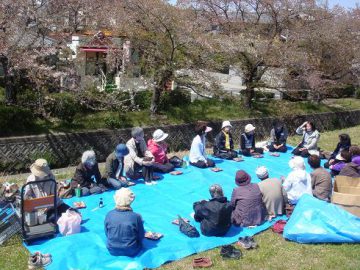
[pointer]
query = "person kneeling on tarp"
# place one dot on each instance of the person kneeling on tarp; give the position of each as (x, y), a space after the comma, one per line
(115, 167)
(246, 200)
(247, 142)
(139, 157)
(197, 154)
(40, 171)
(87, 175)
(124, 229)
(278, 137)
(272, 192)
(214, 215)
(158, 148)
(310, 137)
(224, 145)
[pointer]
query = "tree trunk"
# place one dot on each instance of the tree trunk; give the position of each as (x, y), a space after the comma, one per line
(10, 91)
(164, 77)
(248, 96)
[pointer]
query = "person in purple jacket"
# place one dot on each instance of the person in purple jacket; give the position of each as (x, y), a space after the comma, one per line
(124, 229)
(246, 200)
(342, 159)
(352, 169)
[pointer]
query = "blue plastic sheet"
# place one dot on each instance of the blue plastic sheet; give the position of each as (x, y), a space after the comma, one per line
(316, 221)
(158, 205)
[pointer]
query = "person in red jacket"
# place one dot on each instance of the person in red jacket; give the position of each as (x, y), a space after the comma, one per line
(158, 148)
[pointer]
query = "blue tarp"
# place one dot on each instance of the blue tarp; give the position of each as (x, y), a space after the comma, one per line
(158, 205)
(316, 221)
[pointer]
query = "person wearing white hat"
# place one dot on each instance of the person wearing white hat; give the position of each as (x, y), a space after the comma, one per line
(40, 171)
(158, 148)
(272, 192)
(247, 142)
(298, 181)
(224, 145)
(124, 229)
(197, 156)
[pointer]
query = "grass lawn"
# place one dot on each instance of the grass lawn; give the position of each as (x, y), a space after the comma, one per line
(273, 252)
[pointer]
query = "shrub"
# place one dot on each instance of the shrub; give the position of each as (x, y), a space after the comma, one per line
(15, 120)
(357, 93)
(176, 98)
(143, 99)
(121, 120)
(62, 106)
(341, 91)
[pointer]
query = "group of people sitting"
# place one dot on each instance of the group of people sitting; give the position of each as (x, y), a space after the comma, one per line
(250, 204)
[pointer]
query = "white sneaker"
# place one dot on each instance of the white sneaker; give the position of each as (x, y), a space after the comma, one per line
(150, 183)
(153, 182)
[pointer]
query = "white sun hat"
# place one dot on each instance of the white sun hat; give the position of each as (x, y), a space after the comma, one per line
(159, 135)
(249, 128)
(226, 124)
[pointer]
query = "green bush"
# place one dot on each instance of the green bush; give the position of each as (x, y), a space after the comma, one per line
(62, 106)
(341, 91)
(176, 98)
(357, 93)
(15, 120)
(119, 121)
(143, 99)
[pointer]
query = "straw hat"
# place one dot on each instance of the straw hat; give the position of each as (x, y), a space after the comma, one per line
(40, 168)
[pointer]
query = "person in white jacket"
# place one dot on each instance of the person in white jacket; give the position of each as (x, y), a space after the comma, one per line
(197, 155)
(298, 182)
(310, 137)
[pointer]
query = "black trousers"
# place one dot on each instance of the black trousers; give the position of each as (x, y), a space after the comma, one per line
(163, 168)
(246, 151)
(227, 155)
(201, 164)
(282, 149)
(304, 153)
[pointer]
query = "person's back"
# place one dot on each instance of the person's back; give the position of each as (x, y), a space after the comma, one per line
(272, 196)
(249, 209)
(321, 184)
(124, 231)
(214, 215)
(297, 184)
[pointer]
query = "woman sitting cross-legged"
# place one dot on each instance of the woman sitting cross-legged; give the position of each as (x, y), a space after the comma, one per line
(310, 138)
(278, 137)
(246, 200)
(87, 175)
(40, 171)
(197, 156)
(247, 142)
(224, 145)
(124, 229)
(158, 148)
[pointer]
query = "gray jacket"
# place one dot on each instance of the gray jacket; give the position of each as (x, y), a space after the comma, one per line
(309, 140)
(133, 157)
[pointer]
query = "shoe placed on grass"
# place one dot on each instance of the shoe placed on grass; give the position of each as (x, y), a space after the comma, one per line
(229, 252)
(38, 253)
(202, 262)
(252, 242)
(244, 243)
(38, 261)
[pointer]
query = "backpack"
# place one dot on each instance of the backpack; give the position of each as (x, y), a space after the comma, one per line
(69, 222)
(176, 161)
(279, 226)
(188, 229)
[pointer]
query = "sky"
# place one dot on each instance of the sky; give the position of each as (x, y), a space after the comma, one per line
(344, 3)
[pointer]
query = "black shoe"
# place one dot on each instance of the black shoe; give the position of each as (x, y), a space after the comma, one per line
(229, 252)
(251, 241)
(244, 243)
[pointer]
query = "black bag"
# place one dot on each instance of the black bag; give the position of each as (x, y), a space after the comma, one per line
(188, 229)
(176, 161)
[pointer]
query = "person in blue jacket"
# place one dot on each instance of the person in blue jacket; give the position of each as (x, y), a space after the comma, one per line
(124, 229)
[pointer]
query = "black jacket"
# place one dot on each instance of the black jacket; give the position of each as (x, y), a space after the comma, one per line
(220, 141)
(214, 215)
(112, 164)
(243, 138)
(338, 149)
(83, 176)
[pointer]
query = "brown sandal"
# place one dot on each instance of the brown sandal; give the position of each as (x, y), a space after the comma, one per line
(202, 262)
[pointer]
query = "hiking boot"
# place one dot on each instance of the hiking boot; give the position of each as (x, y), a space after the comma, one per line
(244, 243)
(202, 263)
(230, 252)
(38, 261)
(251, 241)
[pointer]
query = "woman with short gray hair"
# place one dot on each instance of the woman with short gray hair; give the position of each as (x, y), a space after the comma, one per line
(87, 175)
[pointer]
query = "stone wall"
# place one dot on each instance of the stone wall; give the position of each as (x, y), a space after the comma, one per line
(65, 149)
